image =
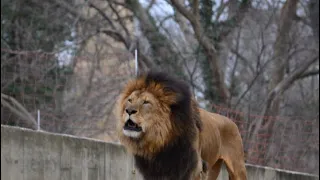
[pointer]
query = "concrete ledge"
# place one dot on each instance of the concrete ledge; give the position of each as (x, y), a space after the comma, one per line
(38, 155)
(280, 173)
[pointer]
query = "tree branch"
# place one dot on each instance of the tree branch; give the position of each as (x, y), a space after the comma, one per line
(309, 73)
(184, 11)
(102, 14)
(244, 60)
(196, 8)
(221, 9)
(120, 20)
(18, 109)
(115, 35)
(150, 5)
(282, 87)
(287, 82)
(236, 17)
(70, 9)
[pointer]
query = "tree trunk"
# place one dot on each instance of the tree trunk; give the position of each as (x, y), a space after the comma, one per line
(314, 17)
(278, 83)
(281, 49)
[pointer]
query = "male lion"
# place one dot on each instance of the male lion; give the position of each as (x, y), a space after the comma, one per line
(169, 136)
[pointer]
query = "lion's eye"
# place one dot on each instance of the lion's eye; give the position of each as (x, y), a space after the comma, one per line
(130, 100)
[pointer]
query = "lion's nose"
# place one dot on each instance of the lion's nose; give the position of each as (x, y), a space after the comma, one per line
(130, 111)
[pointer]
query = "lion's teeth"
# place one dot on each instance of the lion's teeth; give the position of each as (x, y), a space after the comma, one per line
(133, 134)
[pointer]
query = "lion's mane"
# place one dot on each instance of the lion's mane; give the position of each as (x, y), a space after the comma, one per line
(177, 157)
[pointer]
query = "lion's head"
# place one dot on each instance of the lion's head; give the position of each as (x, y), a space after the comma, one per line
(153, 111)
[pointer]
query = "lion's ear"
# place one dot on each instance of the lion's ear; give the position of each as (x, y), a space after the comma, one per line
(175, 94)
(170, 97)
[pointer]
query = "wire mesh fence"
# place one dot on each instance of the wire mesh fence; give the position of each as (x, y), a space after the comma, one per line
(291, 143)
(76, 99)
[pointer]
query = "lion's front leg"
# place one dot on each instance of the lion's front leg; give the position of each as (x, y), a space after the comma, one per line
(201, 172)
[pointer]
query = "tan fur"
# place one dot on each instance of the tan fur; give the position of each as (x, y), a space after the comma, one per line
(221, 142)
(217, 139)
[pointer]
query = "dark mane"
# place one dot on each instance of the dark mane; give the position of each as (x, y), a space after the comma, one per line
(185, 109)
(173, 84)
(178, 159)
(170, 82)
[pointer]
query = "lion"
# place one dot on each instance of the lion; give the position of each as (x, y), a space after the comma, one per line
(170, 137)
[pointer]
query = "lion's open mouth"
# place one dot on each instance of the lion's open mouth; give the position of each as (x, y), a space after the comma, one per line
(132, 126)
(132, 129)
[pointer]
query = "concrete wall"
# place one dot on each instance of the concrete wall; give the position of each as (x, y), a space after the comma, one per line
(32, 155)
